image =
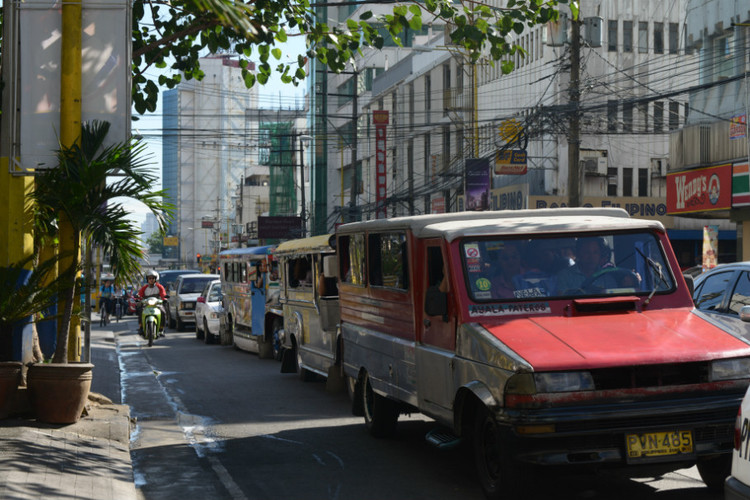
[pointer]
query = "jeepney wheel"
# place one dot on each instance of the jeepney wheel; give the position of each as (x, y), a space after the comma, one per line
(381, 413)
(354, 389)
(497, 476)
(714, 470)
(278, 327)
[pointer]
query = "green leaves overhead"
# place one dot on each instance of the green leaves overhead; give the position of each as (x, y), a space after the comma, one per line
(172, 36)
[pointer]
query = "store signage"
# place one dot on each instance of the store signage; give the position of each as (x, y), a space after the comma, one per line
(511, 162)
(700, 190)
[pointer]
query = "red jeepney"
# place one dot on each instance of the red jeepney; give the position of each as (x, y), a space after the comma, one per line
(544, 337)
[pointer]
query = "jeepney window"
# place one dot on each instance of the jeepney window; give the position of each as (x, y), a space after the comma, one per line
(387, 260)
(622, 263)
(352, 259)
(300, 272)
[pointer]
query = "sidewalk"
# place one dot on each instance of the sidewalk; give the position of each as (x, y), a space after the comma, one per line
(86, 460)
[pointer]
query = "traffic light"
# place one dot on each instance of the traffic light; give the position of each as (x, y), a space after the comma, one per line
(198, 258)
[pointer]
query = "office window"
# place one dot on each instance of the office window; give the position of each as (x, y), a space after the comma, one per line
(674, 39)
(643, 37)
(658, 38)
(612, 36)
(643, 115)
(627, 117)
(627, 182)
(674, 115)
(612, 116)
(643, 181)
(658, 116)
(627, 36)
(611, 181)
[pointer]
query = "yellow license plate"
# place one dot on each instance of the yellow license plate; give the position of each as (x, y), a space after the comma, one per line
(659, 444)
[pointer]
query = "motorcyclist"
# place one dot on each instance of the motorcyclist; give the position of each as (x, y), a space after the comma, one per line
(152, 288)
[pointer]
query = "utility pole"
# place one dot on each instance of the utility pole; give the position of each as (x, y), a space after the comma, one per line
(575, 195)
(354, 189)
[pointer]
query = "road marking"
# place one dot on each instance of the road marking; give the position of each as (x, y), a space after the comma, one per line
(226, 479)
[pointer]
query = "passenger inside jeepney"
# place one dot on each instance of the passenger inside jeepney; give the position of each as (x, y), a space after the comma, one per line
(540, 261)
(505, 263)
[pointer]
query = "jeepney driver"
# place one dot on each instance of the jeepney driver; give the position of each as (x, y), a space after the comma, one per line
(592, 256)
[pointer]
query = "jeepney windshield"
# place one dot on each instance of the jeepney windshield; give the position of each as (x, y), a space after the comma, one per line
(563, 266)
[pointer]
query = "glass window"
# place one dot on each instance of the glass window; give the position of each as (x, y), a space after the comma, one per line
(643, 37)
(674, 40)
(627, 117)
(627, 181)
(612, 116)
(597, 265)
(643, 182)
(300, 272)
(658, 116)
(711, 293)
(658, 38)
(352, 259)
(674, 115)
(612, 36)
(627, 36)
(741, 294)
(387, 260)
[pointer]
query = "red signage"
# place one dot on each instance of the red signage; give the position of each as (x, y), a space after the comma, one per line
(699, 190)
(380, 119)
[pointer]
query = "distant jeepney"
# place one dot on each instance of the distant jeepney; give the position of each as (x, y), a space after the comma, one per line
(309, 299)
(248, 277)
(542, 337)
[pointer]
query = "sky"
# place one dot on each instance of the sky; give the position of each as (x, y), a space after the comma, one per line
(272, 95)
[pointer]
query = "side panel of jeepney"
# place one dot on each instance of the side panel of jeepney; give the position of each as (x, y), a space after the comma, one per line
(377, 316)
(302, 311)
(435, 351)
(236, 290)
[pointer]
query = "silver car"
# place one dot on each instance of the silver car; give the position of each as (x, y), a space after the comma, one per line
(207, 312)
(183, 298)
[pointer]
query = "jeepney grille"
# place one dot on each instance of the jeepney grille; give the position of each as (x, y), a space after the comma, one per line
(633, 377)
(721, 419)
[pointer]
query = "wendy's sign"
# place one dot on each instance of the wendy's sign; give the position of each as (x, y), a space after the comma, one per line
(699, 190)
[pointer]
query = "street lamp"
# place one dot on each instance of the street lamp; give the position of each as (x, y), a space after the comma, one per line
(303, 212)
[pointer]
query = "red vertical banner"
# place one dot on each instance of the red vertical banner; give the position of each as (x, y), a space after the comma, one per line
(380, 120)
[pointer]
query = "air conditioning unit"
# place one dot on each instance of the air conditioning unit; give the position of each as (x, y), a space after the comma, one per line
(594, 165)
(659, 167)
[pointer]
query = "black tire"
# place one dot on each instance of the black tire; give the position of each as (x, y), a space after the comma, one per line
(150, 333)
(354, 389)
(381, 413)
(498, 476)
(170, 319)
(265, 346)
(198, 333)
(714, 470)
(207, 337)
(179, 325)
(278, 325)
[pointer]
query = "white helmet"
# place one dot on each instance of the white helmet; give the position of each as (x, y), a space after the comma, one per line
(153, 273)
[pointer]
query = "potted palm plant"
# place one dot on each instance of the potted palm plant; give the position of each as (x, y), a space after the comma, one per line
(87, 189)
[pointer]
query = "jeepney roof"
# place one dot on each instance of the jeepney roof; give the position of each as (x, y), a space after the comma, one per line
(323, 243)
(236, 252)
(459, 224)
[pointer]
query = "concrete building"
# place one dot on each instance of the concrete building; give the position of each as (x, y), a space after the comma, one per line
(209, 146)
(442, 110)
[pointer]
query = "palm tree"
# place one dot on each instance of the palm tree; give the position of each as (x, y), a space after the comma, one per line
(84, 189)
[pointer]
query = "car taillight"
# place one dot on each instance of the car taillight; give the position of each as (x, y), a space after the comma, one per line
(738, 430)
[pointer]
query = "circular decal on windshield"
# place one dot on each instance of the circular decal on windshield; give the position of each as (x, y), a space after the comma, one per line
(483, 284)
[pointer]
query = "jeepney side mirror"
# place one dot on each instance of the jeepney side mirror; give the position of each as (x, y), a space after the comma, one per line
(690, 282)
(745, 313)
(436, 303)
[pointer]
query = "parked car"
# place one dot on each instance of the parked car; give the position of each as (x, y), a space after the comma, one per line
(182, 299)
(169, 276)
(737, 485)
(207, 312)
(722, 293)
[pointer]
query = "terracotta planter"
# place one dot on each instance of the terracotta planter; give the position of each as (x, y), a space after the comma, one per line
(59, 391)
(10, 378)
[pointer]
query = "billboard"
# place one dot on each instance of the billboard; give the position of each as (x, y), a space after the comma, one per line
(279, 227)
(477, 183)
(700, 190)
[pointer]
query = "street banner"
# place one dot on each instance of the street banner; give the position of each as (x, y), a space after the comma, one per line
(710, 247)
(477, 173)
(380, 119)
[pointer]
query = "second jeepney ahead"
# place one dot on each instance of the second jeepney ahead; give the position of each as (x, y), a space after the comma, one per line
(562, 337)
(309, 303)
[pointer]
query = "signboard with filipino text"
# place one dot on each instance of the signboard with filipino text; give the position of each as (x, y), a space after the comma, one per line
(380, 119)
(738, 126)
(641, 207)
(171, 241)
(279, 227)
(740, 185)
(700, 190)
(510, 162)
(437, 205)
(477, 179)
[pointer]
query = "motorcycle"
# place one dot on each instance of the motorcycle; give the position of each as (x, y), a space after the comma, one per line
(132, 304)
(151, 319)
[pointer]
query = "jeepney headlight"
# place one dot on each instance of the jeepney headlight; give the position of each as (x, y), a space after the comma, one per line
(564, 381)
(533, 383)
(728, 369)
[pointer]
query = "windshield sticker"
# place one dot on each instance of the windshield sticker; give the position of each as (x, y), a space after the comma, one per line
(483, 295)
(472, 250)
(483, 284)
(477, 310)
